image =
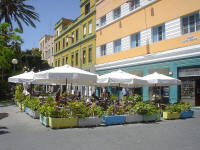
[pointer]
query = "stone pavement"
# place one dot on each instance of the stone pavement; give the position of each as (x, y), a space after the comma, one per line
(20, 132)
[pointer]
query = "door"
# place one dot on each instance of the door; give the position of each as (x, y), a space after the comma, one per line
(197, 95)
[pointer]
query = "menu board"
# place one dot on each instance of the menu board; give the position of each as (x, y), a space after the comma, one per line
(188, 89)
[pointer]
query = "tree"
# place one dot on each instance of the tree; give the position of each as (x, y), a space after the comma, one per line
(18, 11)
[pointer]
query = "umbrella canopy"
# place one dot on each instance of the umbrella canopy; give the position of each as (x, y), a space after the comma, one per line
(156, 79)
(26, 77)
(120, 77)
(63, 74)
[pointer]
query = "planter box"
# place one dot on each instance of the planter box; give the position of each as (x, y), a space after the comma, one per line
(149, 118)
(89, 122)
(19, 105)
(134, 118)
(111, 120)
(26, 110)
(187, 114)
(63, 122)
(33, 114)
(44, 120)
(169, 116)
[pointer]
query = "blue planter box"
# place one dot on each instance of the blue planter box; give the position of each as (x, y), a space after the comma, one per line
(148, 118)
(187, 114)
(111, 120)
(27, 110)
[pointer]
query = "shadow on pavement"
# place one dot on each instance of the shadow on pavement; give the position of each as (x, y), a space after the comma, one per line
(6, 104)
(3, 131)
(3, 115)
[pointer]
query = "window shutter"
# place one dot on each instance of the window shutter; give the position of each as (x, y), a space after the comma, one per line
(155, 34)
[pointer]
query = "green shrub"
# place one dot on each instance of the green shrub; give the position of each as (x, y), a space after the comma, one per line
(34, 104)
(43, 110)
(135, 98)
(145, 108)
(99, 111)
(173, 108)
(110, 111)
(185, 107)
(78, 109)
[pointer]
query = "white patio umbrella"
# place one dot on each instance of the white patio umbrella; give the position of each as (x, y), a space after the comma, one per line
(26, 77)
(121, 78)
(66, 74)
(156, 79)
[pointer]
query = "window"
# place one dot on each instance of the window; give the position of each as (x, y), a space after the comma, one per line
(133, 4)
(56, 47)
(72, 37)
(103, 50)
(90, 27)
(135, 40)
(84, 56)
(63, 61)
(76, 35)
(90, 54)
(59, 45)
(58, 62)
(117, 13)
(87, 8)
(58, 32)
(84, 30)
(103, 20)
(72, 60)
(63, 42)
(117, 46)
(191, 23)
(159, 33)
(76, 58)
(67, 41)
(66, 59)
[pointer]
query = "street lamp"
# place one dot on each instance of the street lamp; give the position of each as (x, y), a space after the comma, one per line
(14, 62)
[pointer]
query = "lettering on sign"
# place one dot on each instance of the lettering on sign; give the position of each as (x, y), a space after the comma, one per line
(190, 38)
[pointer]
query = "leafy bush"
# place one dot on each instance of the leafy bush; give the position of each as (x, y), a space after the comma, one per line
(110, 111)
(78, 109)
(145, 108)
(27, 101)
(135, 98)
(19, 96)
(185, 107)
(173, 108)
(43, 110)
(99, 111)
(113, 98)
(120, 111)
(34, 104)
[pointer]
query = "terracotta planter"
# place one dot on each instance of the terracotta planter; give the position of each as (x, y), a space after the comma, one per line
(89, 122)
(111, 120)
(187, 114)
(134, 118)
(33, 114)
(169, 116)
(62, 122)
(44, 120)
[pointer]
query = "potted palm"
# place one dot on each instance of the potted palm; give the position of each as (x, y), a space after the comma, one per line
(60, 117)
(186, 111)
(172, 112)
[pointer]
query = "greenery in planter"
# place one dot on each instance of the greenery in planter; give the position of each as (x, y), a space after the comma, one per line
(145, 108)
(110, 110)
(34, 104)
(130, 109)
(49, 99)
(120, 111)
(56, 112)
(78, 109)
(27, 101)
(185, 107)
(43, 110)
(173, 108)
(135, 98)
(113, 98)
(19, 96)
(99, 111)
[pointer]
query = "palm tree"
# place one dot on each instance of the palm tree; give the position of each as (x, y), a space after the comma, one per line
(18, 11)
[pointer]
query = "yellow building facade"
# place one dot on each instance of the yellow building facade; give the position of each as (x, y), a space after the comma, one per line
(145, 36)
(74, 40)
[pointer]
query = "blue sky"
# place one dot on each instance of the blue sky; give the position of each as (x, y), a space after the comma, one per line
(50, 12)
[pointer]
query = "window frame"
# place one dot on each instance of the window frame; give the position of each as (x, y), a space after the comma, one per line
(117, 13)
(135, 40)
(117, 45)
(90, 54)
(103, 50)
(90, 27)
(134, 5)
(103, 21)
(156, 37)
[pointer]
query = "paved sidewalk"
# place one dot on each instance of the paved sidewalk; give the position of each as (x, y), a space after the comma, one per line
(20, 132)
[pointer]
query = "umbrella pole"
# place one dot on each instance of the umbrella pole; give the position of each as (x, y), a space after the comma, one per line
(71, 88)
(119, 91)
(66, 85)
